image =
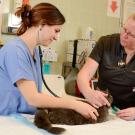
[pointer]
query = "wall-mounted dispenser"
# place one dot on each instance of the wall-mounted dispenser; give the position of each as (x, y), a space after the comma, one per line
(10, 22)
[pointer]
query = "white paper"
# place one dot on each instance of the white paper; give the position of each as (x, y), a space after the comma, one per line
(113, 8)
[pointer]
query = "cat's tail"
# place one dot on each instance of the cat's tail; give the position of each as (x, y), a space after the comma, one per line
(41, 120)
(56, 130)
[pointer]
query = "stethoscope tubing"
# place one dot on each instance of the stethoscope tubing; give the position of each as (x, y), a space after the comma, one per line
(42, 75)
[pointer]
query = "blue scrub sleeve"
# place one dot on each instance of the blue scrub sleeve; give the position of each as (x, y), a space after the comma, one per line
(18, 66)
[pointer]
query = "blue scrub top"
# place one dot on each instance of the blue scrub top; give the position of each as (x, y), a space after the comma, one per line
(16, 63)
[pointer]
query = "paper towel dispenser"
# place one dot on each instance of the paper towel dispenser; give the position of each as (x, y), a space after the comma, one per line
(10, 23)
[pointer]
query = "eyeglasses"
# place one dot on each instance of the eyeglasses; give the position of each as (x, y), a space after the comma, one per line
(124, 30)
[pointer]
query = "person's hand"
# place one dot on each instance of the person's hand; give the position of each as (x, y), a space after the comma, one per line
(86, 110)
(97, 98)
(127, 114)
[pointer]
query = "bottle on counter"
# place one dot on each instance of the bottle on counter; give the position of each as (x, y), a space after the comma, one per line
(89, 33)
(46, 67)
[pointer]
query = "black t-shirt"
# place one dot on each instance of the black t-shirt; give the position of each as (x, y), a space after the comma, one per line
(119, 80)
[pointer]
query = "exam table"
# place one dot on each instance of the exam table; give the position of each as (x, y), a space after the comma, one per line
(22, 124)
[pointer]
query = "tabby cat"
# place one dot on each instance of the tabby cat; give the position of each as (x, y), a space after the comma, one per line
(44, 118)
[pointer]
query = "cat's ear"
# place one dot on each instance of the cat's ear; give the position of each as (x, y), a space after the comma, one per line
(106, 91)
(103, 90)
(110, 98)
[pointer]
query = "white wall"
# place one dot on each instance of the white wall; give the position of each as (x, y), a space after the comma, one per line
(79, 15)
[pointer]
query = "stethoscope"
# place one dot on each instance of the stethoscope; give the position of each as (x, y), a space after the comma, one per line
(43, 79)
(121, 64)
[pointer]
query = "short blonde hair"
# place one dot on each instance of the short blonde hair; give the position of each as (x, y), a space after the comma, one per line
(132, 16)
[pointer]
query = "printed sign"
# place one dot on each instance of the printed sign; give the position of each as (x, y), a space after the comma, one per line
(113, 8)
(25, 1)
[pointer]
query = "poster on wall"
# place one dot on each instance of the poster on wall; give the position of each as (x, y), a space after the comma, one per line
(113, 8)
(129, 8)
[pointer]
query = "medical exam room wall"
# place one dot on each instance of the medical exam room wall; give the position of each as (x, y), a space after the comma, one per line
(80, 14)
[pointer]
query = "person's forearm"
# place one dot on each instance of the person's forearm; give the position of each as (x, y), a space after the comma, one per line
(44, 101)
(34, 98)
(85, 75)
(84, 85)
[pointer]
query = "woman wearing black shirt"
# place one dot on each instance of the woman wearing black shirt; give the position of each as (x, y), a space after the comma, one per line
(114, 56)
